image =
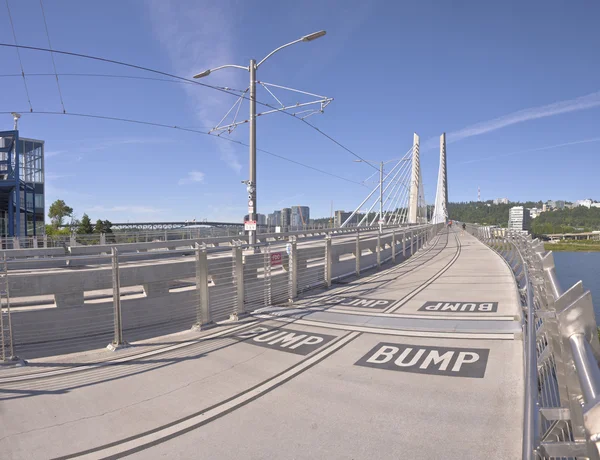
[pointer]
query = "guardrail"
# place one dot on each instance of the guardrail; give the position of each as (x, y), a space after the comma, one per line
(148, 236)
(117, 297)
(561, 346)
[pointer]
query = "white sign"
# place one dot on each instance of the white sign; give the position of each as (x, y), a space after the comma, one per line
(298, 342)
(422, 359)
(250, 225)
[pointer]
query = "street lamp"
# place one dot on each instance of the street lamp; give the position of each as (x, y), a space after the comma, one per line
(251, 185)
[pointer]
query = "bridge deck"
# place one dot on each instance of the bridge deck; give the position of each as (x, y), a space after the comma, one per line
(414, 361)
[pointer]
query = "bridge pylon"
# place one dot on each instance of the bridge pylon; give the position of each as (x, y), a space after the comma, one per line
(415, 183)
(440, 212)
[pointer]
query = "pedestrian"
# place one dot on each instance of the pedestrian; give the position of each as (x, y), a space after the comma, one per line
(464, 227)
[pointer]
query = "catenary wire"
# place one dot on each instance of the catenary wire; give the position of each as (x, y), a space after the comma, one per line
(191, 130)
(167, 74)
(16, 46)
(52, 56)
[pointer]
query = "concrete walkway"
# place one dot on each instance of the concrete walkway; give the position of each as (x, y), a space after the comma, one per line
(420, 360)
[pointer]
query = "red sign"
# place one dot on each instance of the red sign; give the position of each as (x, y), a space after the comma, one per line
(276, 258)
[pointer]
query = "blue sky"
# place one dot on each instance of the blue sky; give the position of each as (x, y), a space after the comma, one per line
(513, 84)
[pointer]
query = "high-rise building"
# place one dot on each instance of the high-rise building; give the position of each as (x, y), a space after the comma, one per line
(286, 217)
(261, 219)
(21, 186)
(519, 218)
(300, 215)
(501, 201)
(276, 221)
(341, 216)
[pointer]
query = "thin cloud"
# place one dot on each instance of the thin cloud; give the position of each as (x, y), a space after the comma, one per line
(571, 105)
(53, 153)
(192, 176)
(196, 37)
(549, 147)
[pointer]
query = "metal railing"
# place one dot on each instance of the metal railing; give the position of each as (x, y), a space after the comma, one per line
(561, 346)
(116, 297)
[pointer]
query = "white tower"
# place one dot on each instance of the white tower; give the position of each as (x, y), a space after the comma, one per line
(415, 179)
(440, 212)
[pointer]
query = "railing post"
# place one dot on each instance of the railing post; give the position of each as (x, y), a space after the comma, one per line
(238, 272)
(393, 245)
(378, 248)
(8, 352)
(45, 241)
(203, 309)
(293, 268)
(403, 244)
(357, 253)
(16, 243)
(103, 238)
(328, 261)
(118, 341)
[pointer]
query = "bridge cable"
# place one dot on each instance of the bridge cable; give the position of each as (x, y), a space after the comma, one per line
(52, 56)
(167, 74)
(191, 130)
(16, 46)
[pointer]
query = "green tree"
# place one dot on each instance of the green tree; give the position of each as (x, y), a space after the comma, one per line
(103, 226)
(58, 211)
(85, 226)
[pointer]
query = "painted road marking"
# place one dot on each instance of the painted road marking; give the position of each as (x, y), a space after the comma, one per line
(420, 359)
(298, 342)
(460, 307)
(151, 438)
(359, 302)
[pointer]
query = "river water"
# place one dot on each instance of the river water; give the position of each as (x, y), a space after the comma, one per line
(574, 266)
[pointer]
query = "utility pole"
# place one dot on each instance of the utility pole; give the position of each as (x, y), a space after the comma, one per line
(252, 208)
(251, 182)
(380, 197)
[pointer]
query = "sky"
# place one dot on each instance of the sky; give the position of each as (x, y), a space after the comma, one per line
(513, 84)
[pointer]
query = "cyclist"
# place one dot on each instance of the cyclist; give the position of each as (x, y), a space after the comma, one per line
(464, 227)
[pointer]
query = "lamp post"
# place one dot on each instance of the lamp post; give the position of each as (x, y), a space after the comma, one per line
(251, 184)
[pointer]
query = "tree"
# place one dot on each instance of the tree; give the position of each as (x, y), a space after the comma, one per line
(103, 226)
(58, 211)
(85, 226)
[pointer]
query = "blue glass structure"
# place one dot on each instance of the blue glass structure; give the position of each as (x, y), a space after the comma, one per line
(21, 185)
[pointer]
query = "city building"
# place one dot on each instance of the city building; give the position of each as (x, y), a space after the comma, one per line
(534, 212)
(587, 203)
(546, 207)
(559, 204)
(595, 205)
(261, 219)
(519, 218)
(286, 216)
(341, 216)
(501, 201)
(21, 185)
(299, 217)
(276, 220)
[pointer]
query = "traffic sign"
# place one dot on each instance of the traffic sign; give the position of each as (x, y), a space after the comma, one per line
(250, 225)
(276, 258)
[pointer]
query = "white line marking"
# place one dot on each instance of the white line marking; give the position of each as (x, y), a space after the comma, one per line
(157, 436)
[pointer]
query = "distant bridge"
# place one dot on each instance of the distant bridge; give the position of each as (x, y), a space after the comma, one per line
(168, 225)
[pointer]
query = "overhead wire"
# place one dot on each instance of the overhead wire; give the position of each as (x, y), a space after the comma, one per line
(52, 56)
(16, 45)
(104, 75)
(191, 130)
(177, 77)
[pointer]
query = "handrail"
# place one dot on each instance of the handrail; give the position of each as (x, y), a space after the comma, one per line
(563, 331)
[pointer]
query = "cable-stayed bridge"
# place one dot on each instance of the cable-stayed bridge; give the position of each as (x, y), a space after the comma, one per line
(400, 337)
